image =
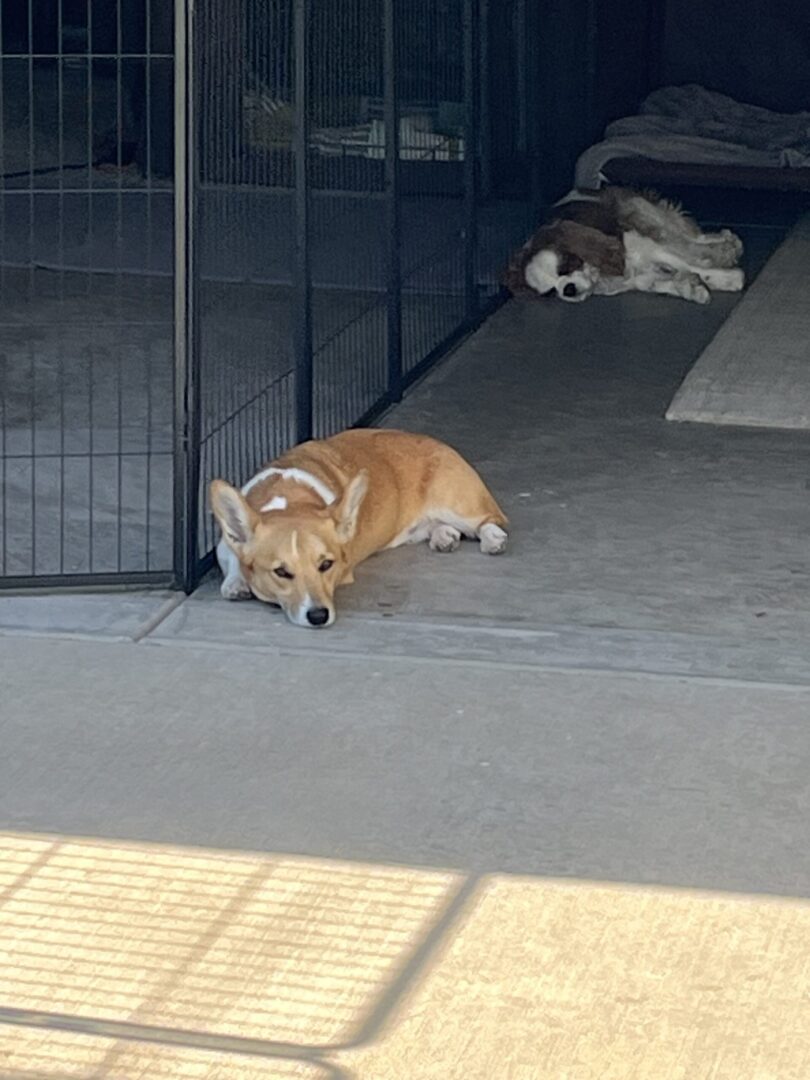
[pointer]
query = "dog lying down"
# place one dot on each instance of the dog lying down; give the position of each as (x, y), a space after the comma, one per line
(300, 526)
(600, 243)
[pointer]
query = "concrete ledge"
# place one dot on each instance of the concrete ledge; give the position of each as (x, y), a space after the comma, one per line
(756, 371)
(753, 657)
(121, 616)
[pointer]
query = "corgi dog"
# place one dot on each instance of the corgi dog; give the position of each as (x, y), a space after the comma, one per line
(300, 526)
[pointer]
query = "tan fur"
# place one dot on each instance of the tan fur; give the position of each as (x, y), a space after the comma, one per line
(384, 482)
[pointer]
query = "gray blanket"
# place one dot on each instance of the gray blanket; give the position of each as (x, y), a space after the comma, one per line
(691, 124)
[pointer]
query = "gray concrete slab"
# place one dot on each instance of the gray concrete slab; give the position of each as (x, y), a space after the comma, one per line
(636, 544)
(756, 371)
(618, 518)
(425, 728)
(387, 634)
(623, 778)
(122, 616)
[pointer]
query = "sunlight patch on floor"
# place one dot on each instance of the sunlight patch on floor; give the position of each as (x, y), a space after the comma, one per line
(136, 960)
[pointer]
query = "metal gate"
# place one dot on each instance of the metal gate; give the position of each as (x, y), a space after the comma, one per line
(224, 232)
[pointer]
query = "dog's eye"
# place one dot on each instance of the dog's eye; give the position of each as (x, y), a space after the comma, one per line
(325, 565)
(283, 572)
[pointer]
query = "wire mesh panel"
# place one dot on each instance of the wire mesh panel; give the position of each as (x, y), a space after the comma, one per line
(86, 370)
(348, 216)
(246, 307)
(435, 127)
(508, 204)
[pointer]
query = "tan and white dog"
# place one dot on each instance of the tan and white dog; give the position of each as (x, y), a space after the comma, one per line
(297, 529)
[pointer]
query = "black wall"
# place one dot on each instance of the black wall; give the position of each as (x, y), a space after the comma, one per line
(757, 51)
(595, 62)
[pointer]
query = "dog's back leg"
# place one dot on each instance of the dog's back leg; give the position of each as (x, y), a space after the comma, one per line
(458, 503)
(684, 284)
(661, 221)
(722, 280)
(450, 526)
(677, 231)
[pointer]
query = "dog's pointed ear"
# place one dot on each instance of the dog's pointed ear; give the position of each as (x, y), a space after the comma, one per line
(348, 509)
(236, 517)
(594, 247)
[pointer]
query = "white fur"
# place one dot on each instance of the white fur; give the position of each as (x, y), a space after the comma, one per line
(445, 538)
(493, 539)
(300, 476)
(298, 616)
(543, 275)
(665, 252)
(278, 502)
(444, 530)
(234, 586)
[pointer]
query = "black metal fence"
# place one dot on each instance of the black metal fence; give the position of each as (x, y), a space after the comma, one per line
(225, 229)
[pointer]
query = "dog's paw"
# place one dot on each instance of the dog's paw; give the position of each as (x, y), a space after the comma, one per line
(235, 588)
(726, 255)
(728, 249)
(493, 539)
(723, 250)
(444, 538)
(698, 293)
(733, 240)
(727, 280)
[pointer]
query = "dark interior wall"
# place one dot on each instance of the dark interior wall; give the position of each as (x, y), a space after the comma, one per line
(757, 51)
(627, 56)
(560, 111)
(595, 61)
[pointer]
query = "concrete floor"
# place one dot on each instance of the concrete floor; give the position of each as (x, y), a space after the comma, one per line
(616, 777)
(639, 548)
(637, 544)
(623, 697)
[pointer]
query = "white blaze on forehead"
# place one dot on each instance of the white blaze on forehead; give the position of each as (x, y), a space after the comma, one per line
(542, 271)
(298, 476)
(294, 543)
(278, 502)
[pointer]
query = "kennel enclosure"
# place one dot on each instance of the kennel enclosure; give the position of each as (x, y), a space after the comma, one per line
(226, 228)
(226, 225)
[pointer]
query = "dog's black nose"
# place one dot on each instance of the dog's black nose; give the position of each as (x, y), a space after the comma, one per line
(570, 289)
(317, 616)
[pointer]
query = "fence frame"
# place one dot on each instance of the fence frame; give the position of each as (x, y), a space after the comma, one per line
(189, 562)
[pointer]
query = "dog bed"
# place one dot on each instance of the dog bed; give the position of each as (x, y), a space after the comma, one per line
(691, 129)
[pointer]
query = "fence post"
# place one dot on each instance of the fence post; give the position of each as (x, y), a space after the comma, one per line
(392, 198)
(471, 150)
(484, 101)
(302, 298)
(186, 354)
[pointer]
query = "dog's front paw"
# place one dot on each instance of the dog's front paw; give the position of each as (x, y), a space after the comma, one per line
(493, 539)
(698, 293)
(730, 281)
(235, 588)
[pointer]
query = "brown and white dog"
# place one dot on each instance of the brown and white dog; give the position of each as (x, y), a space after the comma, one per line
(300, 526)
(599, 243)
